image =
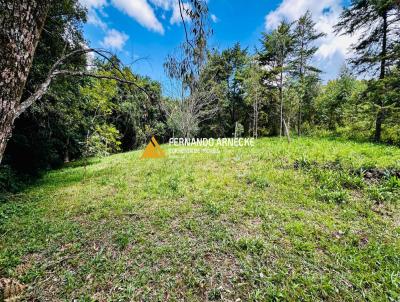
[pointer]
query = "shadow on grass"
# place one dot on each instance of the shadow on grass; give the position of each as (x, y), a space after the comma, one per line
(14, 185)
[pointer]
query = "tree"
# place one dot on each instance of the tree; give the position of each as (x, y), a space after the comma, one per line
(277, 48)
(195, 104)
(252, 82)
(377, 23)
(336, 100)
(387, 91)
(215, 74)
(223, 74)
(21, 24)
(48, 132)
(304, 38)
(236, 59)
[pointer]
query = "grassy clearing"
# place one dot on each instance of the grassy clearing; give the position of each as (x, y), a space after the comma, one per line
(272, 222)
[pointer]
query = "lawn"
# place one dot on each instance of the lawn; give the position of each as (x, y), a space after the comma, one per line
(314, 220)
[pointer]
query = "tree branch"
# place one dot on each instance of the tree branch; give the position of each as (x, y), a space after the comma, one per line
(184, 24)
(55, 72)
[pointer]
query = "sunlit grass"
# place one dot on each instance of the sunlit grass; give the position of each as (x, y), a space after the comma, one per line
(270, 222)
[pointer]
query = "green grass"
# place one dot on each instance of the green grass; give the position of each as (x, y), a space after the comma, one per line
(274, 222)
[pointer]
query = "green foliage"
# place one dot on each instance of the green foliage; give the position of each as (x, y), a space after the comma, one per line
(376, 23)
(103, 141)
(9, 182)
(338, 102)
(223, 75)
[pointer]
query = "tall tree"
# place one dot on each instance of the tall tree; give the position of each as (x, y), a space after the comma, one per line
(275, 56)
(377, 22)
(195, 99)
(236, 58)
(21, 24)
(304, 37)
(252, 82)
(223, 73)
(336, 97)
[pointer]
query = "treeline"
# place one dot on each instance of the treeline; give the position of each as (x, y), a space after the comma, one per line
(276, 90)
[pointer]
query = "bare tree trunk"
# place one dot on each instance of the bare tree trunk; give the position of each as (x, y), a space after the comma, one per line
(299, 120)
(66, 154)
(381, 113)
(286, 131)
(281, 99)
(256, 118)
(21, 24)
(5, 131)
(384, 47)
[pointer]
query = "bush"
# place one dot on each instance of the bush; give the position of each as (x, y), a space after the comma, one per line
(391, 135)
(9, 182)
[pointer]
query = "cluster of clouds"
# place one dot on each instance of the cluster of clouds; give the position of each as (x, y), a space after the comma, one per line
(142, 11)
(333, 48)
(152, 14)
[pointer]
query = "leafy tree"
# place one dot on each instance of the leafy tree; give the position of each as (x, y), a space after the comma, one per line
(216, 74)
(336, 99)
(377, 23)
(304, 37)
(22, 23)
(25, 17)
(223, 73)
(195, 104)
(44, 134)
(254, 91)
(275, 56)
(387, 91)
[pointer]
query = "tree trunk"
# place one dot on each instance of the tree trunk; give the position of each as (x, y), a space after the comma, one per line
(381, 113)
(380, 117)
(287, 132)
(384, 47)
(281, 99)
(5, 131)
(299, 121)
(21, 23)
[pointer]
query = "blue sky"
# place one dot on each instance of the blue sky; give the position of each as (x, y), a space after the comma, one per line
(143, 32)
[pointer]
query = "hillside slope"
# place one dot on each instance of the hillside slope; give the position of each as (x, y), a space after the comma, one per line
(314, 220)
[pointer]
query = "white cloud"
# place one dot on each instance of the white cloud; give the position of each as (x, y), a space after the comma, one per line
(94, 19)
(173, 5)
(333, 49)
(176, 13)
(214, 18)
(325, 13)
(115, 39)
(164, 4)
(93, 3)
(142, 12)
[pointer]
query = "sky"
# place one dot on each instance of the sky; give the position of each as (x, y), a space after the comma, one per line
(143, 32)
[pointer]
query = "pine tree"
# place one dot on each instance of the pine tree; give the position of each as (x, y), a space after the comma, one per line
(275, 56)
(304, 48)
(377, 23)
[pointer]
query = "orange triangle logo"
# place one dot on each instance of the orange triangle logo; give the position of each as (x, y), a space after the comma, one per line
(153, 150)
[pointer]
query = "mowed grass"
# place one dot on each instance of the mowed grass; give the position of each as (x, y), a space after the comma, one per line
(274, 222)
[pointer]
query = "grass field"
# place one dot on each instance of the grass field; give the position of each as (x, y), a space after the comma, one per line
(314, 220)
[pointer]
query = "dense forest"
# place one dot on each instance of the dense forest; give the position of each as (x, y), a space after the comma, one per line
(274, 90)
